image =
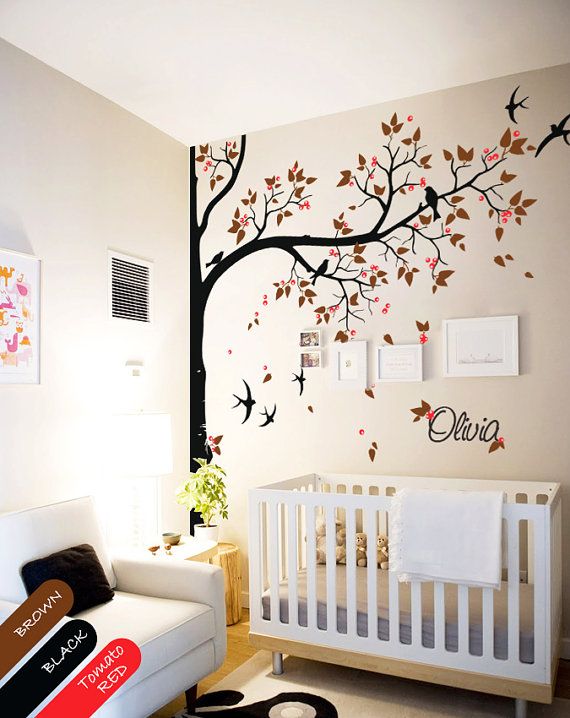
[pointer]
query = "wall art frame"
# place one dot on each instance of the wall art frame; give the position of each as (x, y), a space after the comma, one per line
(399, 363)
(311, 359)
(350, 365)
(310, 339)
(20, 313)
(481, 347)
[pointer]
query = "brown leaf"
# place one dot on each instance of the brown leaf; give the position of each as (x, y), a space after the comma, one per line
(398, 127)
(455, 238)
(447, 155)
(517, 148)
(216, 440)
(279, 293)
(401, 272)
(528, 202)
(499, 260)
(216, 450)
(499, 233)
(374, 445)
(369, 393)
(409, 277)
(240, 236)
(506, 177)
(402, 250)
(373, 280)
(310, 180)
(301, 301)
(320, 310)
(425, 218)
(462, 213)
(516, 198)
(287, 290)
(346, 230)
(341, 337)
(457, 198)
(212, 183)
(494, 446)
(371, 454)
(345, 177)
(279, 219)
(310, 293)
(422, 327)
(310, 408)
(386, 129)
(303, 283)
(450, 218)
(267, 378)
(520, 211)
(506, 138)
(359, 259)
(417, 135)
(388, 339)
(394, 119)
(379, 190)
(354, 300)
(443, 276)
(361, 159)
(529, 275)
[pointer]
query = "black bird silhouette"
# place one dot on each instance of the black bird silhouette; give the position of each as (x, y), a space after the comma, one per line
(216, 259)
(512, 106)
(431, 199)
(248, 402)
(555, 131)
(323, 266)
(269, 418)
(301, 379)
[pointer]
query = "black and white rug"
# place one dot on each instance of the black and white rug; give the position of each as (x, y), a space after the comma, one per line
(309, 689)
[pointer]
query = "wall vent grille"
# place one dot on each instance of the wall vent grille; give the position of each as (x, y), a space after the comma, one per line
(130, 288)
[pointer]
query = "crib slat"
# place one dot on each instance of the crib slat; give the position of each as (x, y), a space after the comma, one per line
(255, 554)
(439, 615)
(514, 589)
(351, 624)
(371, 575)
(273, 558)
(394, 608)
(463, 619)
(292, 575)
(488, 623)
(331, 568)
(416, 606)
(311, 569)
(543, 575)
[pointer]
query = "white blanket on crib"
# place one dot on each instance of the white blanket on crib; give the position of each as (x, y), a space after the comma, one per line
(449, 536)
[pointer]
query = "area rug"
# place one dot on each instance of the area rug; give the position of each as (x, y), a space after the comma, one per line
(309, 689)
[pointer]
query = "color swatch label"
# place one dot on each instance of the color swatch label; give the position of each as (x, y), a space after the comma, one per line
(97, 682)
(47, 668)
(31, 621)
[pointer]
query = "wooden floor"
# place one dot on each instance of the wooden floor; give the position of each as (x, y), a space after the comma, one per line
(239, 651)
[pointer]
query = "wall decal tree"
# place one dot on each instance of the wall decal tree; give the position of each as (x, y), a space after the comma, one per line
(354, 265)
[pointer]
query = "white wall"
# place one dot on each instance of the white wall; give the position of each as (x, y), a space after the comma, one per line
(78, 175)
(532, 408)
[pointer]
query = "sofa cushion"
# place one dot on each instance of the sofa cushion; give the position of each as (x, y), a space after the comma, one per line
(163, 629)
(79, 567)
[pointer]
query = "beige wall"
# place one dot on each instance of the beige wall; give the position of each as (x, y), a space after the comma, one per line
(532, 408)
(79, 175)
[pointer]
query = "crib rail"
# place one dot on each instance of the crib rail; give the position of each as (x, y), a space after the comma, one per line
(366, 610)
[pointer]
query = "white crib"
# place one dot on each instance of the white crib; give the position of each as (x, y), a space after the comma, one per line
(504, 642)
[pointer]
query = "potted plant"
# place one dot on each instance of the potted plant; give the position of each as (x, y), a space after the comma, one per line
(205, 492)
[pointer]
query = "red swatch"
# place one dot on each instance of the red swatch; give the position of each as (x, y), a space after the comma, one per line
(97, 682)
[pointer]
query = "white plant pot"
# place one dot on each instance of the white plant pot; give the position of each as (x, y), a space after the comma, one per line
(206, 533)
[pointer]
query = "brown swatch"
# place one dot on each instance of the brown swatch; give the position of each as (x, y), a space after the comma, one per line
(30, 622)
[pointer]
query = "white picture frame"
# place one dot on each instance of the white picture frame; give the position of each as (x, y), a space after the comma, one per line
(311, 359)
(310, 339)
(485, 346)
(350, 365)
(20, 307)
(399, 363)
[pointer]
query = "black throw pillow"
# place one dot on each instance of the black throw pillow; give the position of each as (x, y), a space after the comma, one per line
(80, 568)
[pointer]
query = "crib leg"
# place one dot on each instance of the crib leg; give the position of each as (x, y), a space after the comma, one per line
(520, 708)
(278, 664)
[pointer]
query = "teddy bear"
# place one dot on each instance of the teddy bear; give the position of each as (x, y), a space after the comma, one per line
(382, 552)
(341, 545)
(321, 540)
(361, 549)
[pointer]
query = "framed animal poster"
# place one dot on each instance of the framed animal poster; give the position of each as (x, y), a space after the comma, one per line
(19, 318)
(350, 365)
(488, 346)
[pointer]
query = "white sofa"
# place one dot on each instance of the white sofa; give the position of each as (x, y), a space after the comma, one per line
(175, 612)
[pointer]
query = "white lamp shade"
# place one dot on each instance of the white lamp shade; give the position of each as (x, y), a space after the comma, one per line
(142, 445)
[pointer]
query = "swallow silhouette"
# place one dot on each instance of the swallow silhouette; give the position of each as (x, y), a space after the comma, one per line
(301, 379)
(514, 105)
(323, 266)
(555, 131)
(431, 200)
(248, 402)
(269, 418)
(216, 259)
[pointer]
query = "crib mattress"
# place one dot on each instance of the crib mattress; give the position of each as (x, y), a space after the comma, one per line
(526, 611)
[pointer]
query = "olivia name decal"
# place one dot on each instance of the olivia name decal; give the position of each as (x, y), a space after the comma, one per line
(445, 423)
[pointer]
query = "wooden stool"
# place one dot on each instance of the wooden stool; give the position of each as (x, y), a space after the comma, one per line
(228, 558)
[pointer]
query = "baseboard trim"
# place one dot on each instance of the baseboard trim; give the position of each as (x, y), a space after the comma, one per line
(565, 649)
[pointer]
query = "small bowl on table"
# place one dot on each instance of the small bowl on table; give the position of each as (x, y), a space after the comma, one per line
(171, 538)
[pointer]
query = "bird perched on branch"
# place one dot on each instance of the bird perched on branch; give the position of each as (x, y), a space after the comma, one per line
(248, 402)
(555, 131)
(323, 266)
(216, 259)
(513, 105)
(431, 200)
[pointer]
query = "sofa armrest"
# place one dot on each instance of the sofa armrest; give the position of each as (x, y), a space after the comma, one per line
(178, 580)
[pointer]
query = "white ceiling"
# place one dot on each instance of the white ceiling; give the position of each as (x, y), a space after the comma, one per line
(213, 68)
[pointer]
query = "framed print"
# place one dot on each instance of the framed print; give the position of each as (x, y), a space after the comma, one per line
(350, 365)
(488, 346)
(399, 362)
(19, 318)
(310, 338)
(311, 360)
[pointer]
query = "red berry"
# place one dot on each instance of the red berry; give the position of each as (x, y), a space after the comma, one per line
(265, 304)
(351, 184)
(384, 311)
(265, 296)
(364, 274)
(353, 332)
(447, 230)
(411, 188)
(410, 118)
(486, 150)
(416, 225)
(376, 299)
(501, 440)
(265, 367)
(293, 281)
(361, 432)
(516, 133)
(229, 351)
(481, 198)
(256, 314)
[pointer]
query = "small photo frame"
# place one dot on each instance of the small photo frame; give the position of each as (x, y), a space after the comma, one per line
(310, 338)
(400, 362)
(486, 346)
(311, 360)
(350, 365)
